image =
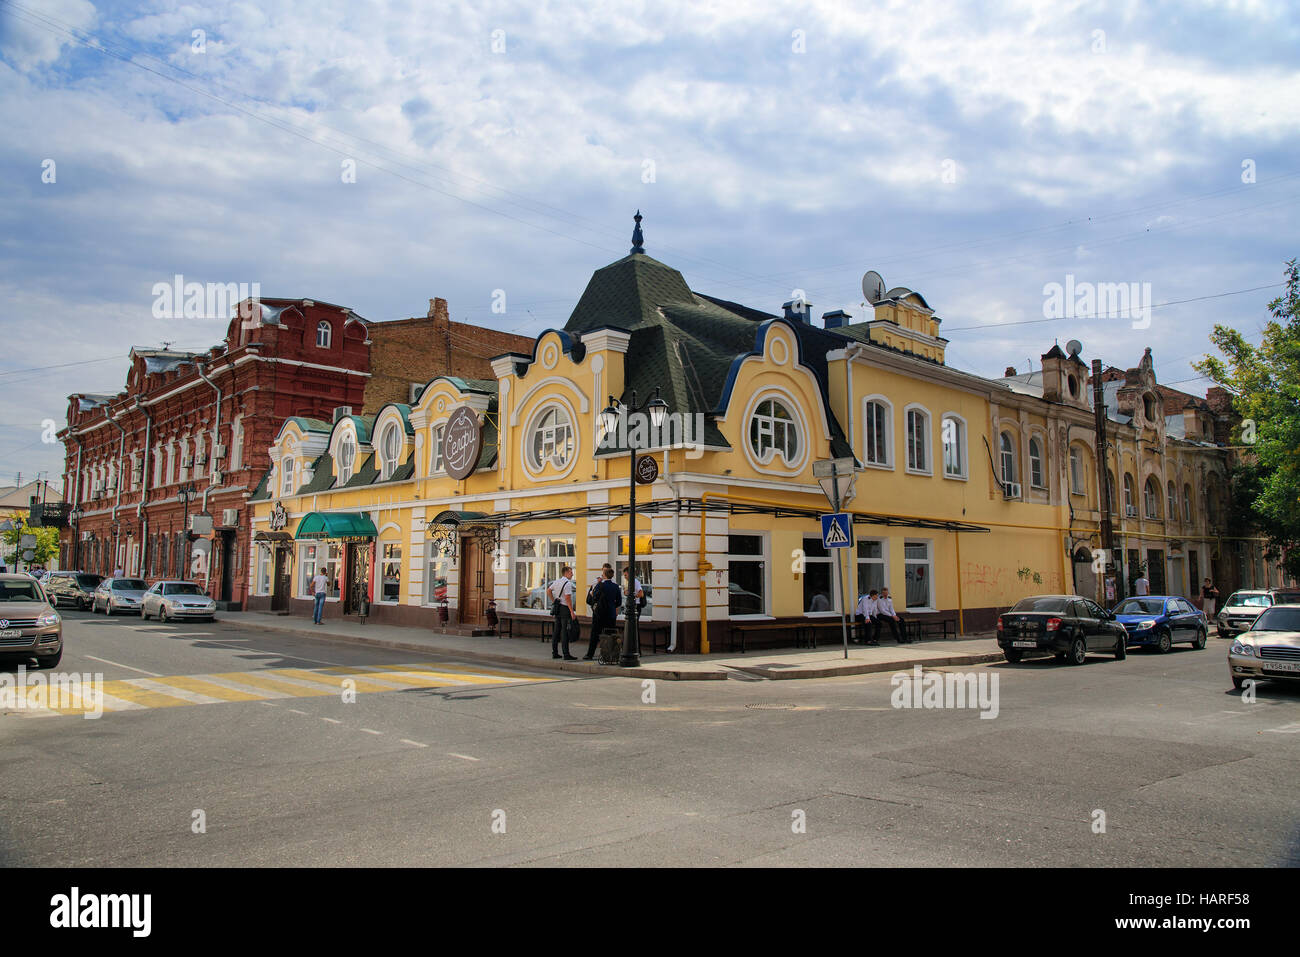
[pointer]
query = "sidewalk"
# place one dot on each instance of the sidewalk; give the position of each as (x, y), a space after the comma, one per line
(779, 664)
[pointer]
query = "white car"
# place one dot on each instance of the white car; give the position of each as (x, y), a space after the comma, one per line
(177, 600)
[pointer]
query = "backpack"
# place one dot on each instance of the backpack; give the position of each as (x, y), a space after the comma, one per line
(591, 596)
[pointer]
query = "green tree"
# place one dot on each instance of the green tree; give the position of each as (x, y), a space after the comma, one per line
(1265, 384)
(46, 547)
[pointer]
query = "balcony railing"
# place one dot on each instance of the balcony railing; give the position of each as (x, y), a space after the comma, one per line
(49, 514)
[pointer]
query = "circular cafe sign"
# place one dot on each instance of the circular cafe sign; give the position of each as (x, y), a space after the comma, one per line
(462, 441)
(647, 469)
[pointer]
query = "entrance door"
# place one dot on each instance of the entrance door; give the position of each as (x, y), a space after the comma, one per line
(280, 592)
(356, 590)
(475, 581)
(1156, 571)
(227, 565)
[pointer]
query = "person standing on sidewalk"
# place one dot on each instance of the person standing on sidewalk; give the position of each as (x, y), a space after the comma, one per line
(319, 588)
(1209, 599)
(605, 610)
(562, 592)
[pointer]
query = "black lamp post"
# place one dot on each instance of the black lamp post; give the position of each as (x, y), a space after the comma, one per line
(185, 493)
(76, 537)
(658, 409)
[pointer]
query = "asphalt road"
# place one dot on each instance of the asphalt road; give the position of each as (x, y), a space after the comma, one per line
(449, 763)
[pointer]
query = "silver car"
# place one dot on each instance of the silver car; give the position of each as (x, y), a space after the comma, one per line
(119, 595)
(177, 600)
(29, 625)
(1270, 649)
(1239, 612)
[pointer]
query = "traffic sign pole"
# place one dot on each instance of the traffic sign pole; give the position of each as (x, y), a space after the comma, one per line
(844, 595)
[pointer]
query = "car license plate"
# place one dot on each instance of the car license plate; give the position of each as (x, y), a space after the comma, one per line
(1024, 644)
(1268, 665)
(11, 633)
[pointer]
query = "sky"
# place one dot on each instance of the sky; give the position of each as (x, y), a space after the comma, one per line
(376, 155)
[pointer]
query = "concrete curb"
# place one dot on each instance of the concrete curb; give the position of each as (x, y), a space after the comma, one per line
(867, 667)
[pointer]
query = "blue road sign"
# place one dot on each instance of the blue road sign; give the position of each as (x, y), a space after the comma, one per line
(837, 530)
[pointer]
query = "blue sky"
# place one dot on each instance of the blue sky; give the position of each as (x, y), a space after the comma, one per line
(972, 152)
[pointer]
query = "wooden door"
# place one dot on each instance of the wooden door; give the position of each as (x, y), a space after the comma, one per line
(280, 592)
(475, 581)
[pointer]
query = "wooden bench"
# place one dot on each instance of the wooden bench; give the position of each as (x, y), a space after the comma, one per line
(741, 629)
(508, 621)
(917, 628)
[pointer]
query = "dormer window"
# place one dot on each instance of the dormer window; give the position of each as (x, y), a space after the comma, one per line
(347, 458)
(390, 448)
(1149, 407)
(324, 333)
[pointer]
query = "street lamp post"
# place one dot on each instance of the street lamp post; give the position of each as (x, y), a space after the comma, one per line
(76, 537)
(185, 493)
(658, 409)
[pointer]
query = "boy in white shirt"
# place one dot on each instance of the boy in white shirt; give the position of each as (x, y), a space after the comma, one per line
(864, 614)
(885, 612)
(562, 592)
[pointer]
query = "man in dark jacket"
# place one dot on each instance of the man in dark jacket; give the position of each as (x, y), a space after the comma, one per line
(605, 611)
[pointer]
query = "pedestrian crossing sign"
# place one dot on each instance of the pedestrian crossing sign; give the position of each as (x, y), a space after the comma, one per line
(837, 530)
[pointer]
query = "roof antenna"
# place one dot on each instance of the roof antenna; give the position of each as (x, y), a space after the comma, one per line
(638, 240)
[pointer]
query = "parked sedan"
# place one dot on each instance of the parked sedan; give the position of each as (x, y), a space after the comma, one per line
(119, 595)
(72, 588)
(1270, 649)
(176, 600)
(1066, 626)
(29, 625)
(1157, 621)
(1239, 612)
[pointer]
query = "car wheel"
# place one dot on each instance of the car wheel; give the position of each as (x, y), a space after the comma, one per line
(162, 614)
(1013, 655)
(144, 615)
(1199, 643)
(1121, 647)
(1078, 652)
(1164, 641)
(50, 661)
(1238, 683)
(1218, 633)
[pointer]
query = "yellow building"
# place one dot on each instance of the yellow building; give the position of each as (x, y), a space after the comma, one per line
(969, 493)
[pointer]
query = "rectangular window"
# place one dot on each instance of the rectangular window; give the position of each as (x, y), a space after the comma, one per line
(390, 573)
(435, 578)
(286, 476)
(918, 459)
(313, 558)
(871, 565)
(435, 462)
(538, 562)
(644, 568)
(877, 435)
(954, 448)
(1076, 472)
(264, 563)
(747, 575)
(1036, 464)
(820, 577)
(918, 574)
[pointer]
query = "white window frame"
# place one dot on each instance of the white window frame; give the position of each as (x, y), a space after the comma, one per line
(324, 331)
(288, 467)
(1171, 490)
(345, 472)
(888, 409)
(1130, 493)
(829, 561)
(437, 564)
(790, 424)
(929, 576)
(1078, 483)
(264, 569)
(1187, 502)
(237, 444)
(538, 462)
(960, 445)
(765, 558)
(925, 445)
(306, 565)
(1150, 503)
(882, 561)
(387, 466)
(435, 449)
(551, 569)
(1007, 457)
(1037, 439)
(382, 560)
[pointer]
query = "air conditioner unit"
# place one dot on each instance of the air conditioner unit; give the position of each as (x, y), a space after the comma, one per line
(217, 478)
(186, 461)
(1011, 490)
(413, 393)
(219, 452)
(1131, 511)
(229, 517)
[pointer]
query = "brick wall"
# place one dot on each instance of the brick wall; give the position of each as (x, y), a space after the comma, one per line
(416, 350)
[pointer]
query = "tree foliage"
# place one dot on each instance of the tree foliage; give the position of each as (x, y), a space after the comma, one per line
(1265, 384)
(46, 547)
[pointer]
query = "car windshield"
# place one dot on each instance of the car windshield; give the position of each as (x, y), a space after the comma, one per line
(1258, 601)
(1286, 598)
(1043, 603)
(20, 591)
(129, 584)
(89, 581)
(1278, 619)
(182, 588)
(1141, 606)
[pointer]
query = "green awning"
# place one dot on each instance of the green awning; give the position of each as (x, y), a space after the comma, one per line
(320, 525)
(451, 517)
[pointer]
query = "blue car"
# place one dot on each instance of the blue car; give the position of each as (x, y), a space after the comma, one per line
(1157, 621)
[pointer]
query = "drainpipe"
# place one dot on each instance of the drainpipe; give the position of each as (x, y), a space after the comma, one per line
(76, 504)
(117, 498)
(216, 430)
(677, 529)
(144, 486)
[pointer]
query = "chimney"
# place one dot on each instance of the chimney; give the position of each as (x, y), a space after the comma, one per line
(798, 310)
(835, 320)
(438, 309)
(340, 411)
(1011, 370)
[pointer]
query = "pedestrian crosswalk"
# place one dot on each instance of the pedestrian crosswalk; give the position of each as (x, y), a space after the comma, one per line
(36, 698)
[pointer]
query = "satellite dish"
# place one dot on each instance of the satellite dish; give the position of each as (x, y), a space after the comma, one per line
(1074, 347)
(873, 287)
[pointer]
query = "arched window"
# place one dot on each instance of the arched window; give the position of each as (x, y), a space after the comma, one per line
(1173, 501)
(288, 469)
(773, 431)
(324, 333)
(918, 440)
(1130, 497)
(1078, 483)
(1151, 498)
(1036, 473)
(237, 444)
(552, 439)
(347, 458)
(1112, 491)
(390, 448)
(1007, 450)
(1187, 503)
(877, 427)
(1149, 407)
(954, 447)
(435, 456)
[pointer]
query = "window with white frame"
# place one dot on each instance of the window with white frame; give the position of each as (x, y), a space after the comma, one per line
(437, 571)
(871, 565)
(1151, 498)
(435, 456)
(877, 428)
(644, 569)
(1077, 480)
(538, 562)
(552, 438)
(1130, 500)
(819, 577)
(1036, 473)
(918, 440)
(237, 445)
(324, 333)
(157, 465)
(390, 572)
(1172, 492)
(1187, 503)
(265, 563)
(390, 449)
(1007, 451)
(774, 432)
(171, 462)
(347, 458)
(747, 575)
(954, 447)
(288, 470)
(918, 574)
(323, 557)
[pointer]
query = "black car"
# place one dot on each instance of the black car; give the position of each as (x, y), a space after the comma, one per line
(71, 588)
(1063, 625)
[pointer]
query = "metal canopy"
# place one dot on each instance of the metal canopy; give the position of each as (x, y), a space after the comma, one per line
(323, 525)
